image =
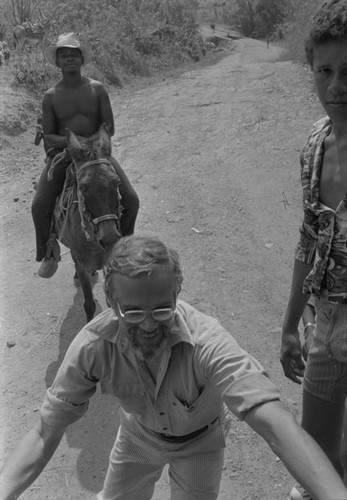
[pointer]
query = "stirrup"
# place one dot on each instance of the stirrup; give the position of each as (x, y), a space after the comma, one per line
(53, 248)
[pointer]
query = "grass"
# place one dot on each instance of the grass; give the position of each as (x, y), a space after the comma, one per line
(211, 11)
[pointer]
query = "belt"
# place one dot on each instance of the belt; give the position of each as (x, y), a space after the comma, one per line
(186, 437)
(337, 300)
(333, 299)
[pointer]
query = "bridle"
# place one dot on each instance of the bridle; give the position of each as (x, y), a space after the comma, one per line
(80, 198)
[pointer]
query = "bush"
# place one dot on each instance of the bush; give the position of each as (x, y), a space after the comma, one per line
(257, 18)
(133, 36)
(36, 75)
(295, 28)
(127, 37)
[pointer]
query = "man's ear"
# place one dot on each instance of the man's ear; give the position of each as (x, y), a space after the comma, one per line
(107, 300)
(108, 296)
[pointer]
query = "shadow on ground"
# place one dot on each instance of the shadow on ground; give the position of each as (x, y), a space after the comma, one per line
(95, 433)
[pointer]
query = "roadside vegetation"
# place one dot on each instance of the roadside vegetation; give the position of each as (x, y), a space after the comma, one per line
(140, 37)
(127, 37)
(295, 27)
(279, 21)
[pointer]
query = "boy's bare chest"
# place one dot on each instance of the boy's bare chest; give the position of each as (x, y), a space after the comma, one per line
(69, 104)
(333, 182)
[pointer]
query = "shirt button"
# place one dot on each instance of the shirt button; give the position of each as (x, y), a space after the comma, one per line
(161, 413)
(164, 428)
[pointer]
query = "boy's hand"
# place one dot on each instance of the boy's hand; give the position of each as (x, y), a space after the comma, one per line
(39, 135)
(291, 357)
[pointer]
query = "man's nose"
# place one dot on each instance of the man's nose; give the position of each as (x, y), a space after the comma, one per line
(149, 324)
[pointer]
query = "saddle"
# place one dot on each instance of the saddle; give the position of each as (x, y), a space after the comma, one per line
(64, 201)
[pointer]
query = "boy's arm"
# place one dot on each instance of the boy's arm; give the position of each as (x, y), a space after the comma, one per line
(301, 455)
(49, 125)
(106, 113)
(291, 358)
(29, 459)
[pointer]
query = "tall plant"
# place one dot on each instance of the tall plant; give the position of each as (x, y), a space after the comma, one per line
(23, 10)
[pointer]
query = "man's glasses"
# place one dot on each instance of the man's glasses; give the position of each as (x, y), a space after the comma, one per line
(137, 316)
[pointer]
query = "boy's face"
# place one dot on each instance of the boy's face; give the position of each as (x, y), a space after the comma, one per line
(330, 75)
(69, 59)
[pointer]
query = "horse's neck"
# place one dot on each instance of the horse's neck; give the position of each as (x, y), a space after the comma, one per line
(68, 194)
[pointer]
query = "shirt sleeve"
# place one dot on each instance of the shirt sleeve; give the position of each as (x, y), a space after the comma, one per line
(241, 379)
(75, 383)
(306, 247)
(305, 250)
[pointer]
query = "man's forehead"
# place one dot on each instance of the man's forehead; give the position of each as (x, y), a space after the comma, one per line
(160, 276)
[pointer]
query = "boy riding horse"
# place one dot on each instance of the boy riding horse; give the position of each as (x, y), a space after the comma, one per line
(82, 105)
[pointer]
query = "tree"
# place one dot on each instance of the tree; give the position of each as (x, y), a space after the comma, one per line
(23, 10)
(245, 16)
(269, 15)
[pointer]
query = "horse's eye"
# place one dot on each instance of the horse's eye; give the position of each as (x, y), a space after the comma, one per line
(84, 188)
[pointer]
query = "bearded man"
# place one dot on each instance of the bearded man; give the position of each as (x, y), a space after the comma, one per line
(172, 369)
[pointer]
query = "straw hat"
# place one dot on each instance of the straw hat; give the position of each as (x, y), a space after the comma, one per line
(68, 40)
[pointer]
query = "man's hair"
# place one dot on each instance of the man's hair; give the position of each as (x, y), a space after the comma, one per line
(328, 24)
(135, 256)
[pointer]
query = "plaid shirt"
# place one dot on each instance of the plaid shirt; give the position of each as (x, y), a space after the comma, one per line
(323, 234)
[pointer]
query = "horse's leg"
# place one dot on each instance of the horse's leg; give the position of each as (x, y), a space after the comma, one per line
(94, 278)
(89, 302)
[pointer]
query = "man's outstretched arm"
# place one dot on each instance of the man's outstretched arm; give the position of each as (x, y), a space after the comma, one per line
(29, 459)
(301, 455)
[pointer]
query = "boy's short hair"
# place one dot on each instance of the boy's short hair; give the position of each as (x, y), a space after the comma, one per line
(328, 24)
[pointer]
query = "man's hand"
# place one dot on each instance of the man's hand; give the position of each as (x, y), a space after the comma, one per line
(291, 358)
(39, 135)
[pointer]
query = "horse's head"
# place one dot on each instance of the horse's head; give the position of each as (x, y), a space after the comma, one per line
(97, 186)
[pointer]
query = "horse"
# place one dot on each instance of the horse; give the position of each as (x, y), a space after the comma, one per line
(87, 213)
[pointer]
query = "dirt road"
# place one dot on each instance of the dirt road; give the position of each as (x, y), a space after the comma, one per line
(213, 155)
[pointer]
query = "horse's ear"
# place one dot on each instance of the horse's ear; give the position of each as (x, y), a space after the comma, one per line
(73, 144)
(105, 140)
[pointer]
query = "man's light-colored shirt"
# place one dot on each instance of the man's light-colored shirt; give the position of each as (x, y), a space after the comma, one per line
(201, 366)
(323, 238)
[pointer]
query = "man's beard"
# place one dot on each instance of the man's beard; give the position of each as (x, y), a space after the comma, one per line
(147, 349)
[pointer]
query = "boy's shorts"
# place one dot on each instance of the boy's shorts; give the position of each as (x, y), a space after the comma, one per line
(326, 367)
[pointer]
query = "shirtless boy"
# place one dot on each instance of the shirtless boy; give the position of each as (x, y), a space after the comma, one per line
(320, 265)
(82, 105)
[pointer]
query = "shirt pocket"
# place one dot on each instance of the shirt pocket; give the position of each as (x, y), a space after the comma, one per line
(203, 404)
